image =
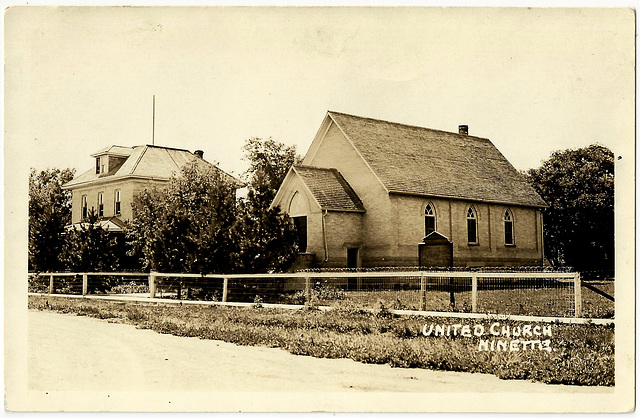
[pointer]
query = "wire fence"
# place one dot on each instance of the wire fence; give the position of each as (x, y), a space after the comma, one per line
(116, 283)
(495, 291)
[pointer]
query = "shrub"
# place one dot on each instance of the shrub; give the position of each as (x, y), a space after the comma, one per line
(131, 287)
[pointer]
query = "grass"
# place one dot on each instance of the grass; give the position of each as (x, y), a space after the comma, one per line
(580, 354)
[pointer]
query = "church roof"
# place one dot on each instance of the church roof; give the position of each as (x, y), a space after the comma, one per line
(329, 188)
(420, 161)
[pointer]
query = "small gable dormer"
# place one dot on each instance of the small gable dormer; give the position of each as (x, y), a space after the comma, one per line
(109, 159)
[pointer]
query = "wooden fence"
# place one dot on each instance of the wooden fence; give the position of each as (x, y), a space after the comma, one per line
(472, 283)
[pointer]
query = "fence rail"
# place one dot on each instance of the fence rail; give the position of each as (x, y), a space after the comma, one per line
(544, 293)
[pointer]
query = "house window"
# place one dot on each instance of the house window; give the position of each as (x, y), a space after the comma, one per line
(84, 206)
(98, 165)
(116, 199)
(472, 226)
(101, 204)
(508, 228)
(429, 219)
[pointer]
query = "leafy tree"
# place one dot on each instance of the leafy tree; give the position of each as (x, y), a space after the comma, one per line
(89, 247)
(266, 236)
(49, 213)
(187, 225)
(269, 162)
(195, 225)
(579, 224)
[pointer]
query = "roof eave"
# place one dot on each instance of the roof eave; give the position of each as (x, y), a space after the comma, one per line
(110, 179)
(343, 210)
(467, 199)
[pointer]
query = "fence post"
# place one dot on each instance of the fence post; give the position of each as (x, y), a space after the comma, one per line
(85, 283)
(50, 283)
(474, 293)
(307, 289)
(152, 285)
(225, 288)
(577, 287)
(423, 292)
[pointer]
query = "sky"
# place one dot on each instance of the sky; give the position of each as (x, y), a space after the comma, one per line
(78, 79)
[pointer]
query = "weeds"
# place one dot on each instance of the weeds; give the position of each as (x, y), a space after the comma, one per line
(128, 288)
(257, 302)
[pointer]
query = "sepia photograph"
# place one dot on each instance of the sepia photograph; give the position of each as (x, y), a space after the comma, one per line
(228, 208)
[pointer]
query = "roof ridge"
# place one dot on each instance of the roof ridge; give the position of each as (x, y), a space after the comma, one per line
(313, 166)
(135, 165)
(347, 188)
(408, 125)
(163, 147)
(172, 159)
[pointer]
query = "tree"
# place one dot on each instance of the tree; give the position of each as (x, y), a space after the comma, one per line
(49, 213)
(187, 225)
(269, 162)
(579, 223)
(195, 225)
(89, 247)
(266, 236)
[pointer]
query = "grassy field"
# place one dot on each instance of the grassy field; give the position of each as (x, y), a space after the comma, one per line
(577, 354)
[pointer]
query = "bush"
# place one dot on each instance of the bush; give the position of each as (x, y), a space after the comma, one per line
(131, 287)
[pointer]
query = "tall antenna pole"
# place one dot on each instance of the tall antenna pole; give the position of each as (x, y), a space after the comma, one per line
(153, 129)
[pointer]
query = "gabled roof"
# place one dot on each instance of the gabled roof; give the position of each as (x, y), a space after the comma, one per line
(144, 161)
(329, 188)
(116, 150)
(435, 236)
(112, 224)
(420, 161)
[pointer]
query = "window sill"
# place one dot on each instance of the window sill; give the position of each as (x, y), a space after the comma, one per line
(509, 245)
(473, 244)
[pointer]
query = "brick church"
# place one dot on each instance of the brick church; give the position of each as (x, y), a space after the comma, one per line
(375, 193)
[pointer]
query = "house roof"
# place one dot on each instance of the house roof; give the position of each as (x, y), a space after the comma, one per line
(413, 160)
(329, 188)
(145, 161)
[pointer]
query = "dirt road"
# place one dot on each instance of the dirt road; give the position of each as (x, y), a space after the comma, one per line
(80, 353)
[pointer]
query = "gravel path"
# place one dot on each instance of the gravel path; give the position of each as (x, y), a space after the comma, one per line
(79, 353)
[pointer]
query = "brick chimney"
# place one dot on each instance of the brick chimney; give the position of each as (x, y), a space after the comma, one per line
(463, 129)
(198, 153)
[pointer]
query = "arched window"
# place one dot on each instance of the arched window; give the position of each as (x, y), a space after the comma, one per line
(298, 205)
(472, 226)
(508, 228)
(429, 219)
